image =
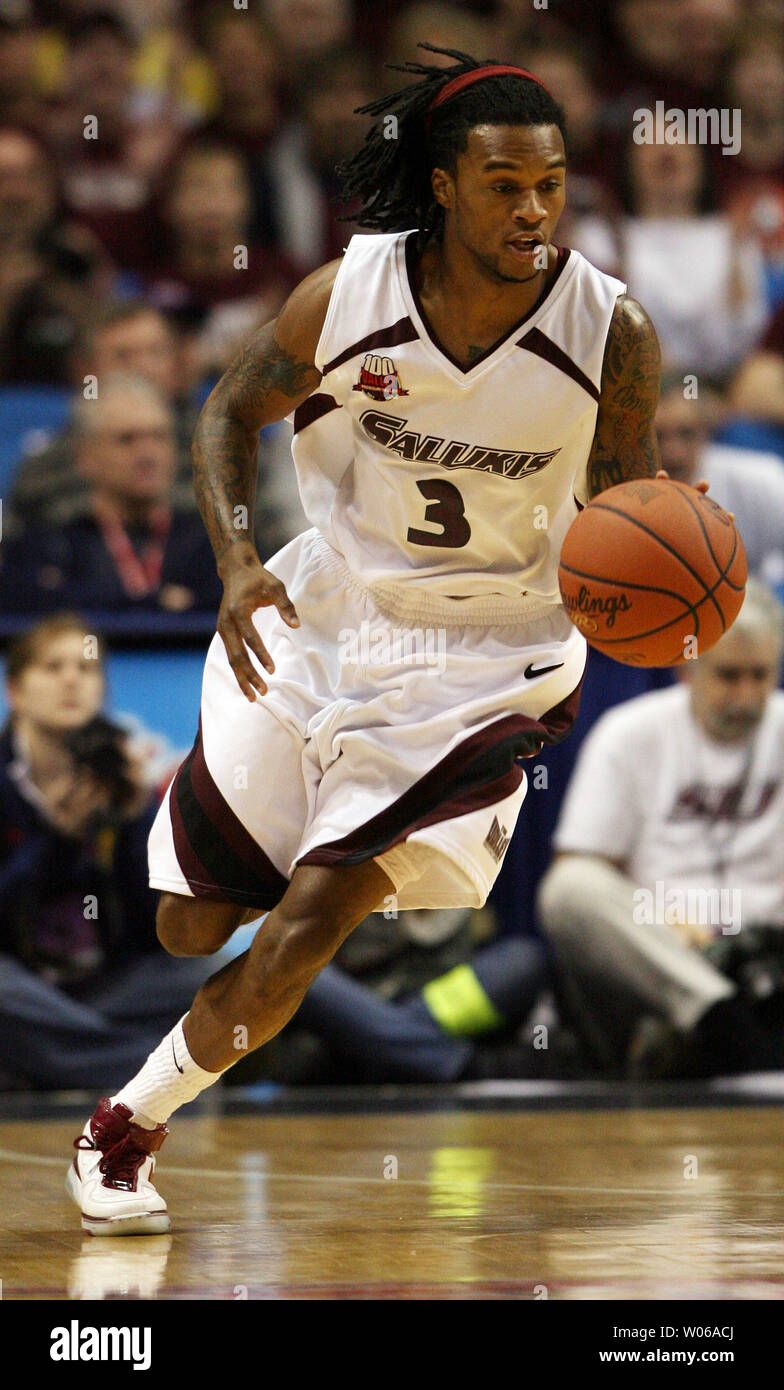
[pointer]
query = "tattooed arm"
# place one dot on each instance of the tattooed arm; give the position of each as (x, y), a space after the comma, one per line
(624, 444)
(269, 378)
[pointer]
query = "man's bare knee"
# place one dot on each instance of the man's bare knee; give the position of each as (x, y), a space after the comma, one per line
(194, 926)
(318, 911)
(298, 944)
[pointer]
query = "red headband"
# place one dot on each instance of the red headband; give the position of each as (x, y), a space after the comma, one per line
(467, 79)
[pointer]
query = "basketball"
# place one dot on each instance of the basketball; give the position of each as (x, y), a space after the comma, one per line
(652, 572)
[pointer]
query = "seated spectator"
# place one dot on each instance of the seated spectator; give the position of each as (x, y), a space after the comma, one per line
(85, 991)
(757, 392)
(127, 336)
(134, 550)
(131, 336)
(305, 31)
(679, 255)
(302, 161)
(514, 25)
(567, 69)
(246, 68)
(109, 168)
(752, 181)
(245, 63)
(442, 24)
(206, 263)
(50, 270)
(672, 53)
(743, 481)
(20, 96)
(709, 29)
(665, 902)
(415, 999)
(172, 75)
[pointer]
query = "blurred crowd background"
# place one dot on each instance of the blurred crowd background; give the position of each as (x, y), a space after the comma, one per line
(141, 143)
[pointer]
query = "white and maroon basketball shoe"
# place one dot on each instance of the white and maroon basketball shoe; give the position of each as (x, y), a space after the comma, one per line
(109, 1178)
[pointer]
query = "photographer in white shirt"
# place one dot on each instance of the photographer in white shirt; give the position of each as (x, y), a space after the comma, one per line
(665, 899)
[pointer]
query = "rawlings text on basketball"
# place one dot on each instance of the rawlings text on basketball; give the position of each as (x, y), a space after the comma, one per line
(590, 604)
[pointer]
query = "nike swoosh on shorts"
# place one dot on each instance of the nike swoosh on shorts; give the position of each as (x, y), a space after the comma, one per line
(531, 671)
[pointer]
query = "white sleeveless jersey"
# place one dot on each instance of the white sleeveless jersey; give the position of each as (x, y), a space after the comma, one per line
(460, 481)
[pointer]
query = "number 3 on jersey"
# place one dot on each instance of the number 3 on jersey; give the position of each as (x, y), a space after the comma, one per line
(446, 510)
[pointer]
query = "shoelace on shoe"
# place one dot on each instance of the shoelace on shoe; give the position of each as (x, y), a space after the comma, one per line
(120, 1163)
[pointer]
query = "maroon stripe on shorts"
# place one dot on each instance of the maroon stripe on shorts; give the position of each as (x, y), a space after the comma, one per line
(196, 875)
(478, 773)
(537, 341)
(396, 333)
(218, 856)
(229, 826)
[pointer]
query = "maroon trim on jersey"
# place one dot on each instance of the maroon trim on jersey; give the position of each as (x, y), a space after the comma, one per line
(537, 341)
(478, 773)
(411, 266)
(316, 406)
(401, 332)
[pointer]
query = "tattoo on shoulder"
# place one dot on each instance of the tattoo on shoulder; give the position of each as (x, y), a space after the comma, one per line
(624, 444)
(263, 368)
(225, 444)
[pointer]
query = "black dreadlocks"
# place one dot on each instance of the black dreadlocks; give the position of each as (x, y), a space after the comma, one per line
(390, 173)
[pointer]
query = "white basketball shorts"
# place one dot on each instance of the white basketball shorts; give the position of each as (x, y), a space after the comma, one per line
(380, 737)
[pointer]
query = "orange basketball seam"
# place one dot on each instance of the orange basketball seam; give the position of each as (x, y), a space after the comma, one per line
(628, 584)
(735, 538)
(652, 632)
(633, 520)
(654, 589)
(648, 589)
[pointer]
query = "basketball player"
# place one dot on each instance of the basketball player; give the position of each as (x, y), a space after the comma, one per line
(460, 386)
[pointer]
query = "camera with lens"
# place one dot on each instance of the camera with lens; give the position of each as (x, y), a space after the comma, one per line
(101, 748)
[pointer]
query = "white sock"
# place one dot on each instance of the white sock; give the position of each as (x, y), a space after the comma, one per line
(168, 1079)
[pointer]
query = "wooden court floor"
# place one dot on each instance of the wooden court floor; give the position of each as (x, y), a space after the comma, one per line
(634, 1204)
